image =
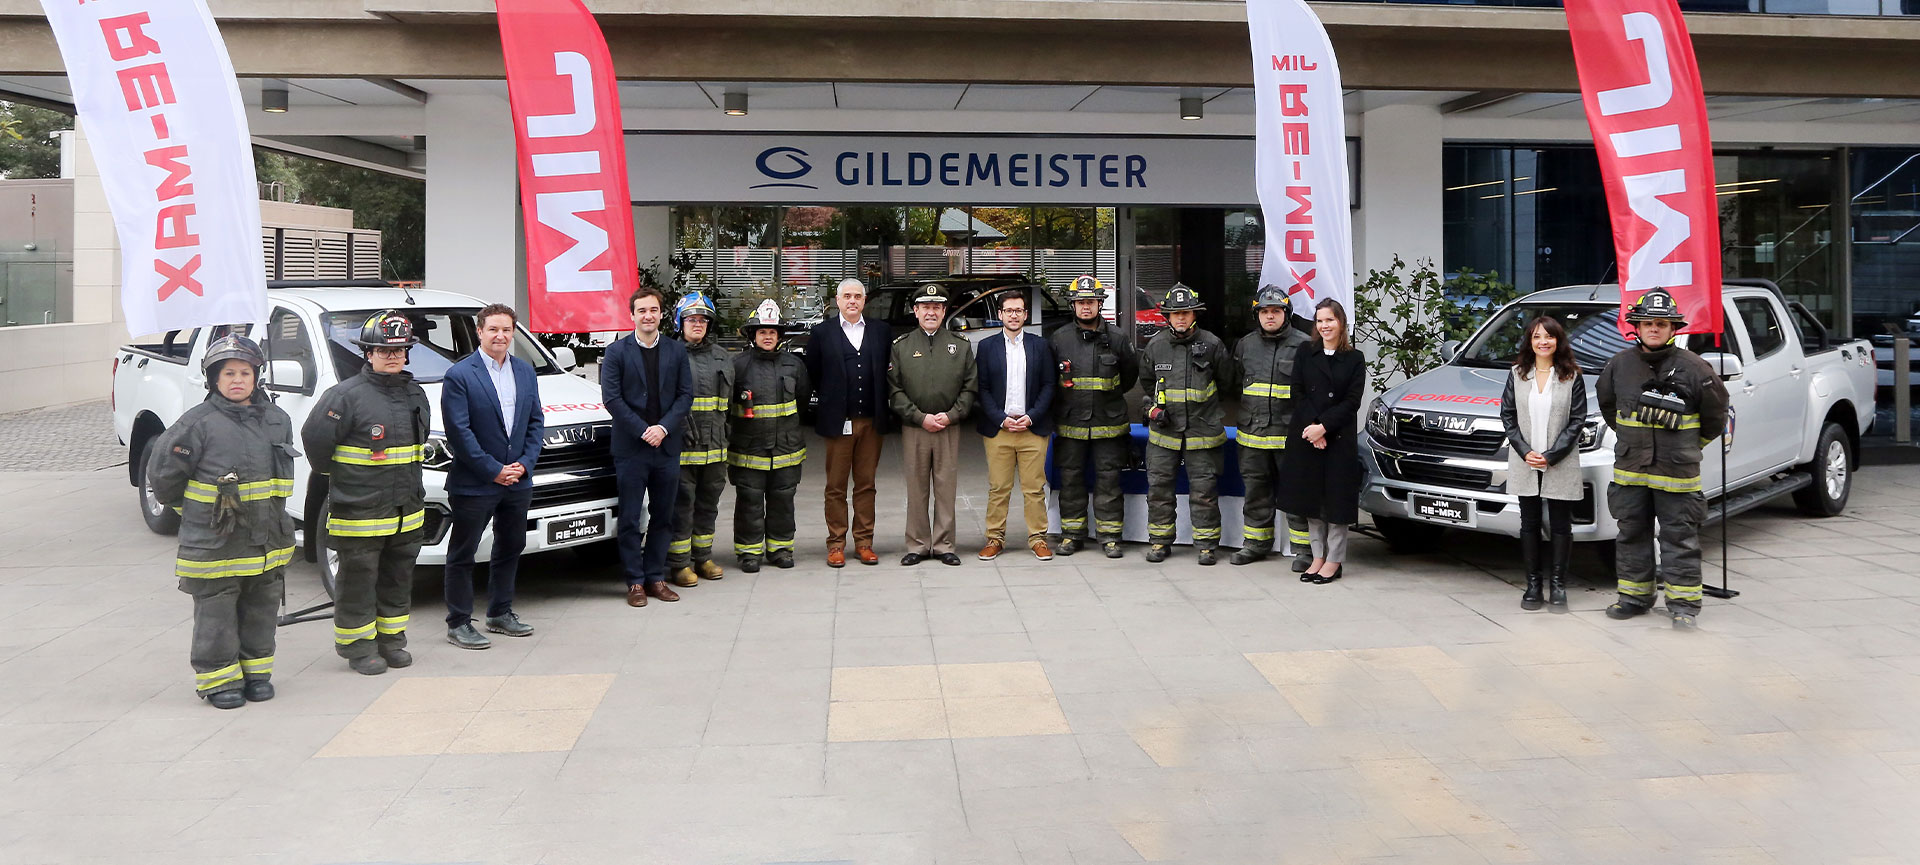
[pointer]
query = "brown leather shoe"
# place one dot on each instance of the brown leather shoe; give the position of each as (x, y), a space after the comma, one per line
(867, 555)
(991, 551)
(836, 558)
(1041, 551)
(636, 596)
(661, 591)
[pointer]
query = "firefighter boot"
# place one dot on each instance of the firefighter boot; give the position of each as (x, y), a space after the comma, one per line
(1530, 553)
(1111, 548)
(750, 563)
(396, 657)
(1557, 585)
(1206, 556)
(781, 558)
(684, 578)
(709, 569)
(1157, 553)
(1068, 545)
(1248, 554)
(368, 665)
(227, 699)
(257, 690)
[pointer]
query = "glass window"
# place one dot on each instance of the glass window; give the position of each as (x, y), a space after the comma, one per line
(287, 342)
(1884, 220)
(1592, 331)
(446, 336)
(1537, 217)
(1762, 327)
(1777, 223)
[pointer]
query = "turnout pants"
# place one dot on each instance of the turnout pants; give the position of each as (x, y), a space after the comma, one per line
(1109, 458)
(932, 463)
(373, 592)
(1260, 469)
(1676, 516)
(233, 629)
(1203, 494)
(649, 482)
(694, 513)
(506, 510)
(763, 520)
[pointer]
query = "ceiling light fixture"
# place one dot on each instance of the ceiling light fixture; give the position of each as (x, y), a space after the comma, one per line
(1191, 108)
(734, 102)
(273, 96)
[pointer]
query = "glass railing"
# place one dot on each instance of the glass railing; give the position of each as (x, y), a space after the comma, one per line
(1767, 7)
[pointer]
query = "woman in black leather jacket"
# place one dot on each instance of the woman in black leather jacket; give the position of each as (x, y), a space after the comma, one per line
(1543, 408)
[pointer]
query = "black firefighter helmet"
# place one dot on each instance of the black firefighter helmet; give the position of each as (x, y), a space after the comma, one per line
(386, 329)
(1656, 305)
(232, 347)
(1180, 298)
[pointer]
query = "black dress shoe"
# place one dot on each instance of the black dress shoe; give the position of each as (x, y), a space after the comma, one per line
(1308, 577)
(1323, 579)
(950, 559)
(911, 559)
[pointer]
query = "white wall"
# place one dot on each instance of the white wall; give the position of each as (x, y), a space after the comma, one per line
(472, 230)
(653, 236)
(1400, 174)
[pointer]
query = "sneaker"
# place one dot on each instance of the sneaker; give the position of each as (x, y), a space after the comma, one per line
(467, 638)
(509, 624)
(992, 550)
(1112, 549)
(1157, 553)
(371, 665)
(1624, 611)
(396, 658)
(257, 690)
(1041, 551)
(1068, 546)
(227, 699)
(684, 578)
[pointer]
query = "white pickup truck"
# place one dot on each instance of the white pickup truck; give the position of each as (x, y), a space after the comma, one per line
(1436, 454)
(307, 339)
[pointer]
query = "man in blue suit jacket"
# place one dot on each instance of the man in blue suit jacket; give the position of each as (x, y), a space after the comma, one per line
(490, 402)
(1016, 377)
(647, 385)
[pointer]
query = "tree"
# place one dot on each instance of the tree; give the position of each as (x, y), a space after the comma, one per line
(394, 206)
(27, 146)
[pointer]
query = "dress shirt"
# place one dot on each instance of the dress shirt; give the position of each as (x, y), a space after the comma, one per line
(855, 331)
(1016, 399)
(502, 375)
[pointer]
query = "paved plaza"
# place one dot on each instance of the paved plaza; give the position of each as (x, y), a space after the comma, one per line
(1073, 711)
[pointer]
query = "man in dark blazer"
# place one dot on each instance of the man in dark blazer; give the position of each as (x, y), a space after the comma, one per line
(847, 359)
(1016, 375)
(647, 385)
(490, 401)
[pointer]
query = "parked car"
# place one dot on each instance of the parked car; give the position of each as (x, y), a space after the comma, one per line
(1435, 452)
(308, 342)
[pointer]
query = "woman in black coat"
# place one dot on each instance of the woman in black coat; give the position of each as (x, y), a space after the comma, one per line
(1320, 476)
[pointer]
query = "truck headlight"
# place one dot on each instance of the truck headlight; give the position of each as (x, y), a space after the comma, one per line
(1591, 432)
(1380, 420)
(435, 454)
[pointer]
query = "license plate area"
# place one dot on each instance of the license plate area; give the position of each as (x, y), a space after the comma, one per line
(1439, 509)
(573, 529)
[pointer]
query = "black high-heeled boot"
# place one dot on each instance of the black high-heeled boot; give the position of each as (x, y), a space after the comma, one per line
(1530, 553)
(1557, 588)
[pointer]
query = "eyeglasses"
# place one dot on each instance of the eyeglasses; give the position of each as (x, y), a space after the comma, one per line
(389, 352)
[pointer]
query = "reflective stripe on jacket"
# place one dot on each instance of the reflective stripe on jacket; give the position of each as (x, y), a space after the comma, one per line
(374, 487)
(769, 388)
(1650, 455)
(1095, 372)
(252, 442)
(1266, 386)
(705, 441)
(1183, 377)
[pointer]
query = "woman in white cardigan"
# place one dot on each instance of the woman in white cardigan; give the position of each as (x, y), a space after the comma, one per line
(1543, 407)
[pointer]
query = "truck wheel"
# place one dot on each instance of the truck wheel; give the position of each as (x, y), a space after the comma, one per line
(329, 559)
(1408, 536)
(160, 518)
(1832, 471)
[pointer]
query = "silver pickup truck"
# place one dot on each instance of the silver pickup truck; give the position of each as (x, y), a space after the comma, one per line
(1436, 454)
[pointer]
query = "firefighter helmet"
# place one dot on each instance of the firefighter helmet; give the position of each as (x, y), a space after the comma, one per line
(231, 347)
(1656, 305)
(1271, 296)
(930, 293)
(1180, 298)
(386, 329)
(695, 303)
(766, 316)
(1086, 288)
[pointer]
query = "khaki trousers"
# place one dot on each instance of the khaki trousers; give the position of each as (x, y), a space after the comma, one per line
(856, 454)
(1024, 454)
(932, 463)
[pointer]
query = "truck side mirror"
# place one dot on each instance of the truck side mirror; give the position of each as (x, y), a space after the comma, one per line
(1727, 366)
(1449, 350)
(563, 355)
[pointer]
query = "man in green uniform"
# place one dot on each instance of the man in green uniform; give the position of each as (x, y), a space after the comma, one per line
(767, 445)
(1265, 358)
(703, 456)
(366, 435)
(1182, 371)
(1664, 404)
(930, 385)
(1097, 368)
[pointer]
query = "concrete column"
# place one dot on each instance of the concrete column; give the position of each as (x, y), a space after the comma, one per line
(1400, 197)
(653, 238)
(96, 245)
(472, 230)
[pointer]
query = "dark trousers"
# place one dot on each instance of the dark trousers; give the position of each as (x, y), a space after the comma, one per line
(1109, 456)
(507, 511)
(1559, 515)
(1678, 515)
(695, 513)
(1203, 494)
(763, 518)
(650, 484)
(374, 591)
(1260, 469)
(234, 619)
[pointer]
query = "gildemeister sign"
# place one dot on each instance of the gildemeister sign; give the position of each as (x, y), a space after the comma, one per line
(1011, 170)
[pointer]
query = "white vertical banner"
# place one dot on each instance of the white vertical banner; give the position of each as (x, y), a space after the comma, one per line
(155, 89)
(1300, 161)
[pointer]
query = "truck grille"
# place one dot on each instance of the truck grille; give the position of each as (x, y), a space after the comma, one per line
(567, 492)
(1414, 435)
(1415, 471)
(593, 453)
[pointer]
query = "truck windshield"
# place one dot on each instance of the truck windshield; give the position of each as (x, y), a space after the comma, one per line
(1591, 327)
(446, 336)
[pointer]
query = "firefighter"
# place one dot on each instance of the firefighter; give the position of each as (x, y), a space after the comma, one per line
(1265, 360)
(1664, 404)
(227, 467)
(767, 444)
(1097, 367)
(1182, 371)
(368, 436)
(703, 456)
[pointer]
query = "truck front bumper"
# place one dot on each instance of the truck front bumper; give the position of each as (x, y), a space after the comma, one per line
(564, 509)
(1492, 510)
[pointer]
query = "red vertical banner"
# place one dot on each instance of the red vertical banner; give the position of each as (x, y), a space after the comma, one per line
(1641, 87)
(573, 166)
